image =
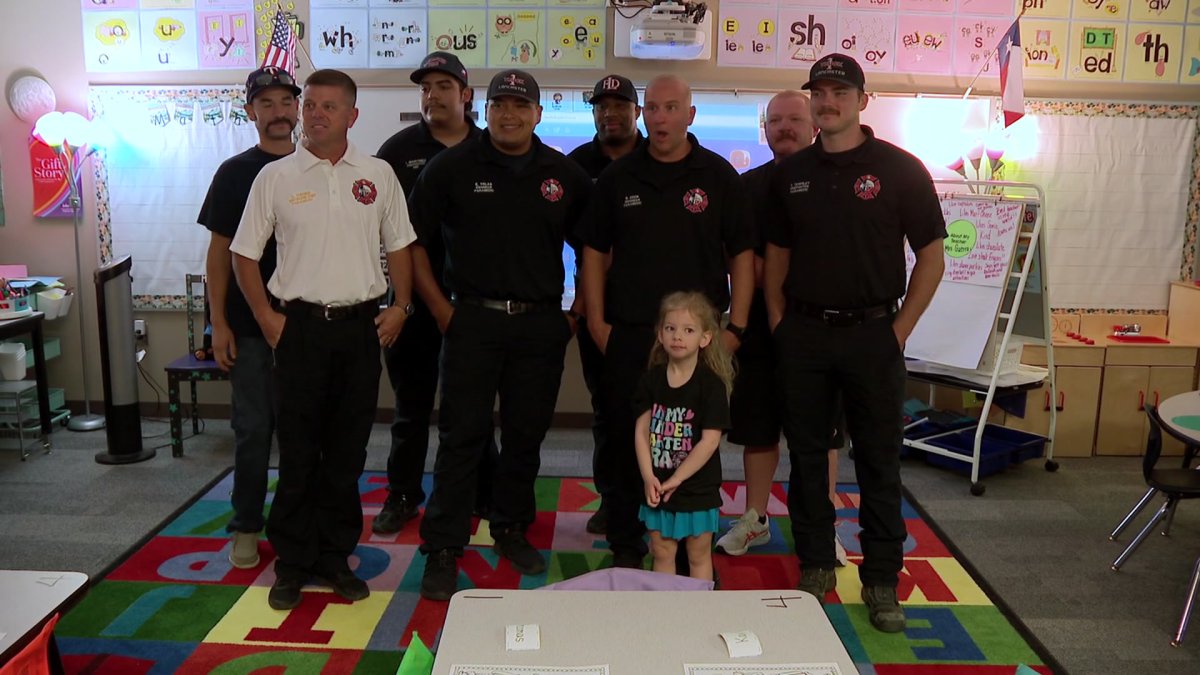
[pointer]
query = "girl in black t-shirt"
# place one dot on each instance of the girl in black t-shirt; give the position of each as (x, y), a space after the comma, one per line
(683, 404)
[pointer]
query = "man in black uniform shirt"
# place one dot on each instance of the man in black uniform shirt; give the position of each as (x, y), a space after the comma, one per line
(673, 217)
(615, 110)
(238, 344)
(412, 360)
(839, 214)
(502, 206)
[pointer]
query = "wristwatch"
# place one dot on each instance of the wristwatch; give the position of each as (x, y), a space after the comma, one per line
(738, 332)
(409, 308)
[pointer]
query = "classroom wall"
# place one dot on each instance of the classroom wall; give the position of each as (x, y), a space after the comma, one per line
(46, 246)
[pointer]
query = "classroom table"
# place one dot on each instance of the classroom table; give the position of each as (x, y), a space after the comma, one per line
(31, 597)
(637, 632)
(32, 325)
(1181, 413)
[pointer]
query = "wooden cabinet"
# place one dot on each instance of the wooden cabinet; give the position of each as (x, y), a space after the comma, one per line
(1134, 376)
(1078, 373)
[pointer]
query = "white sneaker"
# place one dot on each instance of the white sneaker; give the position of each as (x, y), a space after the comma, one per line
(244, 552)
(840, 550)
(744, 533)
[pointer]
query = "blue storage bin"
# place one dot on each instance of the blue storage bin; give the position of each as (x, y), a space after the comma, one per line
(1000, 447)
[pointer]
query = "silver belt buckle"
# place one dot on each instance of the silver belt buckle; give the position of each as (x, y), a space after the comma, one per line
(325, 311)
(828, 315)
(508, 307)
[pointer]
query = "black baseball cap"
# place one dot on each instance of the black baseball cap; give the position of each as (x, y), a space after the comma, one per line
(515, 83)
(443, 62)
(270, 76)
(838, 68)
(614, 85)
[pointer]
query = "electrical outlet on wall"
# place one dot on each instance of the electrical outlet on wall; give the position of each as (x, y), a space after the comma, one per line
(139, 329)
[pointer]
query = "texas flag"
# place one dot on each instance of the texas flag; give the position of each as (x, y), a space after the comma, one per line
(1012, 65)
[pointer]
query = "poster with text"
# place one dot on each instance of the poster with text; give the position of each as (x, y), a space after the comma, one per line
(939, 6)
(110, 5)
(337, 3)
(975, 42)
(398, 38)
(747, 36)
(398, 3)
(869, 38)
(515, 38)
(1100, 10)
(226, 39)
(575, 38)
(805, 35)
(461, 32)
(980, 236)
(169, 40)
(224, 4)
(339, 38)
(988, 7)
(1097, 51)
(168, 4)
(1190, 70)
(1043, 9)
(923, 44)
(1167, 11)
(888, 6)
(111, 42)
(1153, 52)
(1045, 42)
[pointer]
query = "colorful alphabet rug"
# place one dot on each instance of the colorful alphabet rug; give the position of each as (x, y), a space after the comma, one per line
(176, 605)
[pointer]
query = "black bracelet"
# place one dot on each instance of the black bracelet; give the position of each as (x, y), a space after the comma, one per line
(738, 332)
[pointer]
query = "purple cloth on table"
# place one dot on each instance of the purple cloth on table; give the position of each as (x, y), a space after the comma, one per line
(623, 579)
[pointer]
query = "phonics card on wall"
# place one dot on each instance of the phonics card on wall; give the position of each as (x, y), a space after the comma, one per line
(575, 38)
(169, 40)
(1097, 51)
(226, 38)
(975, 40)
(1153, 52)
(112, 41)
(805, 35)
(398, 38)
(746, 36)
(515, 38)
(1045, 42)
(462, 32)
(923, 44)
(339, 38)
(868, 37)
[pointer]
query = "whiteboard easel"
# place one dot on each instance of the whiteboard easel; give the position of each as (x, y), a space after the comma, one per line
(1010, 313)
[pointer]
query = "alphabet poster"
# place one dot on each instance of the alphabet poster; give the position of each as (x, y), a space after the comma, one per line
(169, 40)
(339, 38)
(226, 39)
(398, 38)
(1152, 52)
(1097, 51)
(924, 44)
(747, 36)
(157, 35)
(805, 35)
(516, 38)
(869, 38)
(112, 42)
(461, 32)
(975, 40)
(575, 38)
(1045, 46)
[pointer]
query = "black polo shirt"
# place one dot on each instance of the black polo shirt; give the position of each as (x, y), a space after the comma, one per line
(502, 229)
(758, 182)
(591, 155)
(409, 149)
(222, 212)
(845, 217)
(669, 227)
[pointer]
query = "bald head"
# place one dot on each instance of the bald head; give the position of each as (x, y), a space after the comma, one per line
(788, 126)
(668, 112)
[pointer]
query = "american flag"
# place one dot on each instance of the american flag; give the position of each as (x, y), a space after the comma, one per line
(281, 50)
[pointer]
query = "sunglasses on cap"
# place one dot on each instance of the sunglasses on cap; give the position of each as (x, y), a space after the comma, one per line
(274, 77)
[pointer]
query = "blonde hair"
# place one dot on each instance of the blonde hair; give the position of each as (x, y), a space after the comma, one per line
(714, 356)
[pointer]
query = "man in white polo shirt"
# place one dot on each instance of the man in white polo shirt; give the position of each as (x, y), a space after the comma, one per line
(330, 208)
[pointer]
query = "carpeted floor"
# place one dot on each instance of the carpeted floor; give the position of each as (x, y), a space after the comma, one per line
(177, 605)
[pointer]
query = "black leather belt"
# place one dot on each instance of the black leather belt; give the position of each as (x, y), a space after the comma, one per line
(364, 309)
(843, 317)
(506, 306)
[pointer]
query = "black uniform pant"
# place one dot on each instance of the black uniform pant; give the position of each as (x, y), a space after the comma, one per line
(865, 364)
(412, 366)
(625, 362)
(486, 353)
(327, 378)
(592, 361)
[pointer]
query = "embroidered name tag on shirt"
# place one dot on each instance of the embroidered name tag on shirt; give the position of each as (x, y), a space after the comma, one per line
(633, 200)
(483, 186)
(302, 198)
(415, 163)
(796, 188)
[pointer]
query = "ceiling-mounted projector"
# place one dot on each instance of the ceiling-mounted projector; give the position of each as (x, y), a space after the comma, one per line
(671, 31)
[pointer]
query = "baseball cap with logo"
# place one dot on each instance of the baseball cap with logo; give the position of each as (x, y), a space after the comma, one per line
(515, 83)
(269, 76)
(443, 62)
(838, 68)
(614, 85)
